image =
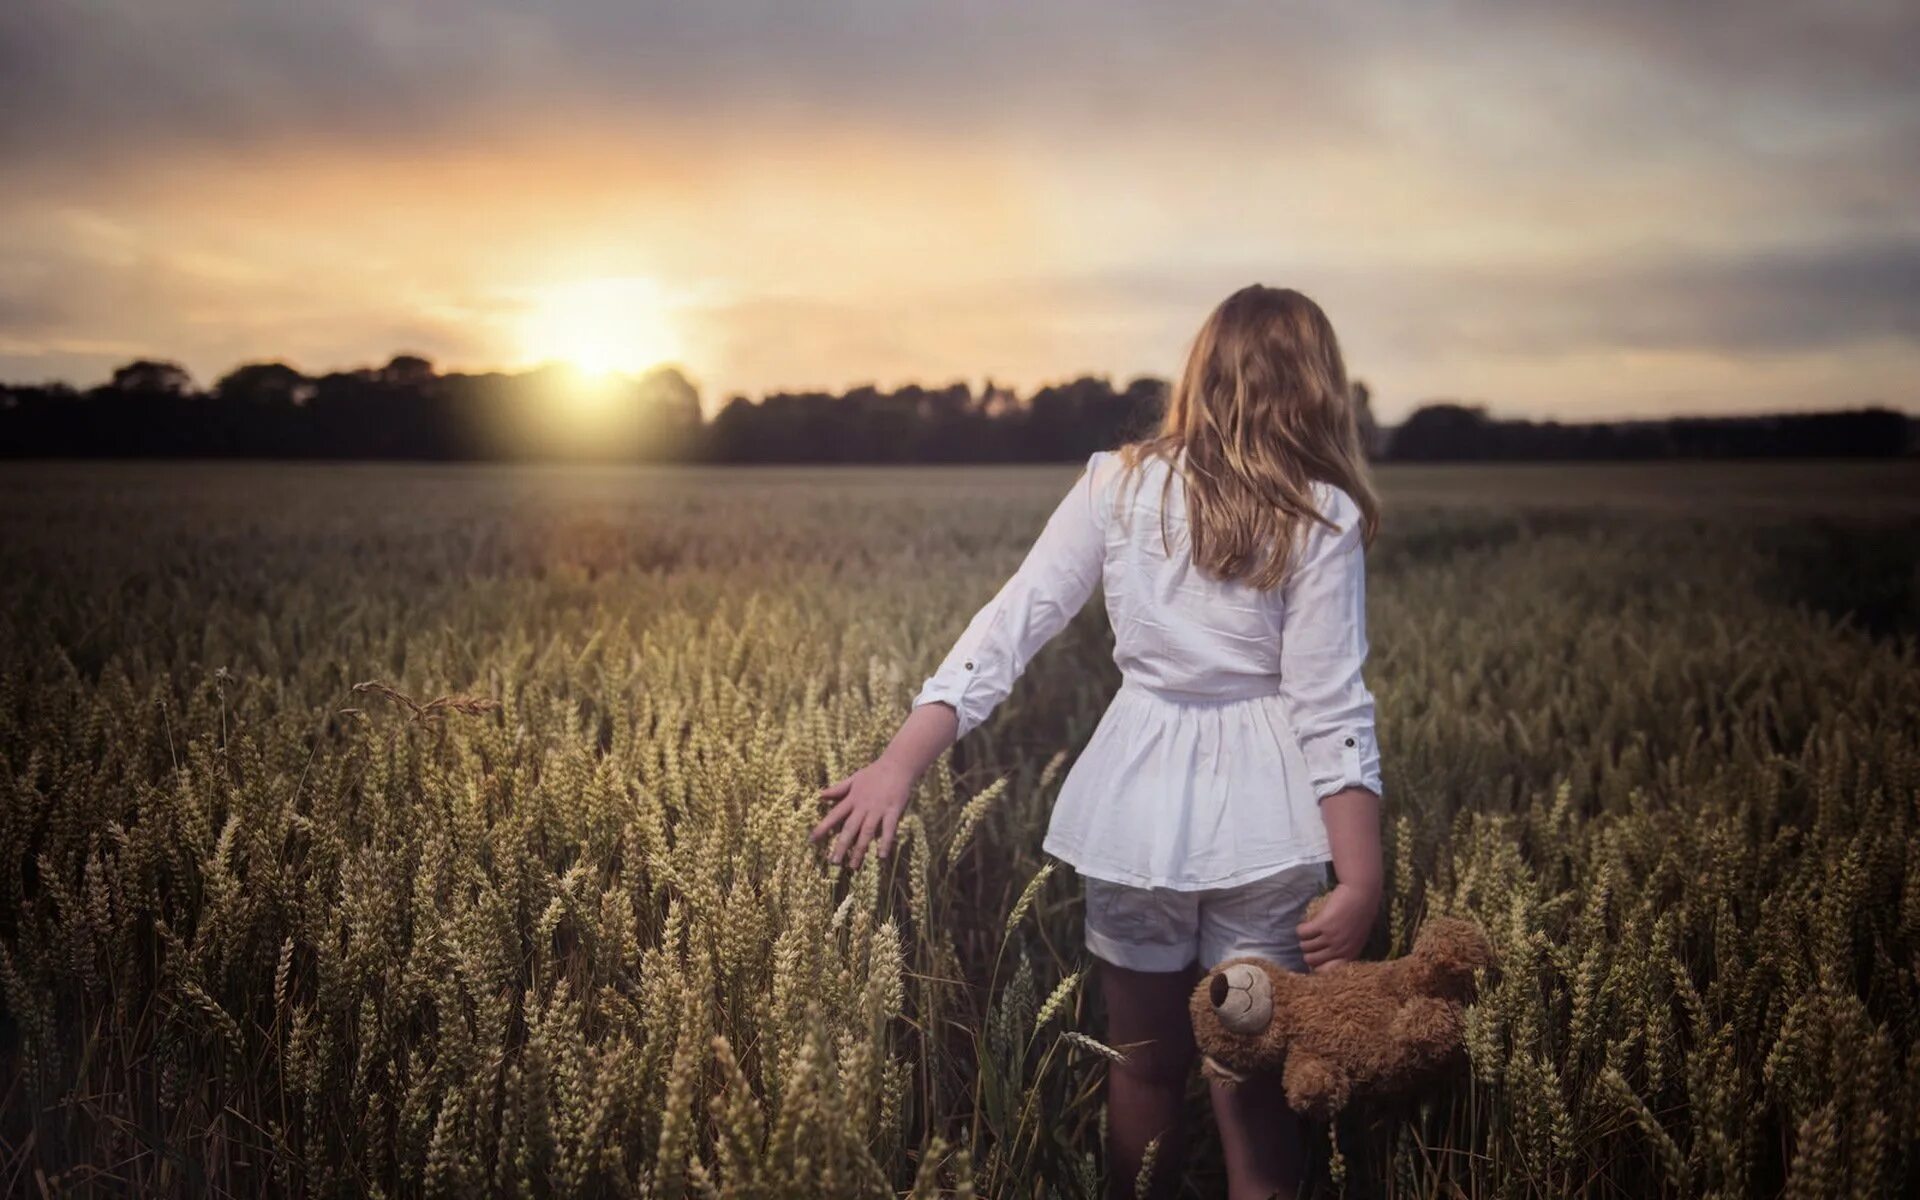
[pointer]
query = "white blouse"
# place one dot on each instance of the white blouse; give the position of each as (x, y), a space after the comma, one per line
(1238, 709)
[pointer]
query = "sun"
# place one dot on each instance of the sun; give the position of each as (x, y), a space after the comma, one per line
(598, 326)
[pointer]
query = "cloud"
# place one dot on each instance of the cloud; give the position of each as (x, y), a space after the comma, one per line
(1753, 302)
(1856, 53)
(1772, 301)
(1511, 89)
(27, 310)
(118, 77)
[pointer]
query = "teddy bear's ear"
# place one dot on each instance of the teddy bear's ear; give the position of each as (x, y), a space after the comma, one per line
(1314, 906)
(1447, 951)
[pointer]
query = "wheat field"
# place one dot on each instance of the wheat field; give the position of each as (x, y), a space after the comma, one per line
(265, 931)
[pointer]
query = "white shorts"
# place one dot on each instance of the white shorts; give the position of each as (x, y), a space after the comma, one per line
(1164, 929)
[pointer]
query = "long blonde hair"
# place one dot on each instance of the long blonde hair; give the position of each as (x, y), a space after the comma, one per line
(1262, 410)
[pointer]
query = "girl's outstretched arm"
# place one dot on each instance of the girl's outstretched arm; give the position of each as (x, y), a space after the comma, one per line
(1051, 585)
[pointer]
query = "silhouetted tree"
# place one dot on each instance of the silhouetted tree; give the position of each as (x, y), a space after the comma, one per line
(406, 370)
(260, 384)
(1442, 431)
(1453, 432)
(152, 377)
(254, 410)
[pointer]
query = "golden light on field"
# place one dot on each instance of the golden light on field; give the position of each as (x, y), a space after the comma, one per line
(599, 326)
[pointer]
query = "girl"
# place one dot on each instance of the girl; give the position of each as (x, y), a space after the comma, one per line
(1238, 757)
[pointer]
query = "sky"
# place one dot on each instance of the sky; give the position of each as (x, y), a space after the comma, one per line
(1575, 211)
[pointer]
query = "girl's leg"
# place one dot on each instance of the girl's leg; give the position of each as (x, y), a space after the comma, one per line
(1264, 1141)
(1146, 1095)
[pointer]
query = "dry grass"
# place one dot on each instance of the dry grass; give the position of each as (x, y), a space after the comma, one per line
(438, 707)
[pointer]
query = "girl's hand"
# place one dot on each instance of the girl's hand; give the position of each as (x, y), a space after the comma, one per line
(870, 803)
(1339, 931)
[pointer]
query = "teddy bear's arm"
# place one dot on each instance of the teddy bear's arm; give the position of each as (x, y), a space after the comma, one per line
(1314, 1085)
(1219, 1072)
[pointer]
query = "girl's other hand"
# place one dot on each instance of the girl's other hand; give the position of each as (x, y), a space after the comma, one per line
(1339, 931)
(871, 801)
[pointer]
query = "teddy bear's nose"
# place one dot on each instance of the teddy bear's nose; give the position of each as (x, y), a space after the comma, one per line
(1242, 997)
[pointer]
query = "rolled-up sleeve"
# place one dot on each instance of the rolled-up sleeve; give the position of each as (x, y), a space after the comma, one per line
(1051, 585)
(1323, 648)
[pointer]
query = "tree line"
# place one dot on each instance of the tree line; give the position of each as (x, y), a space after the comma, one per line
(408, 410)
(1449, 432)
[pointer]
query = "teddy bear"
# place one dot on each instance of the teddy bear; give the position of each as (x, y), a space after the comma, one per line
(1374, 1029)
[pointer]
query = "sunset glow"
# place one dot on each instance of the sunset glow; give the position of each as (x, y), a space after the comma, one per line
(598, 326)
